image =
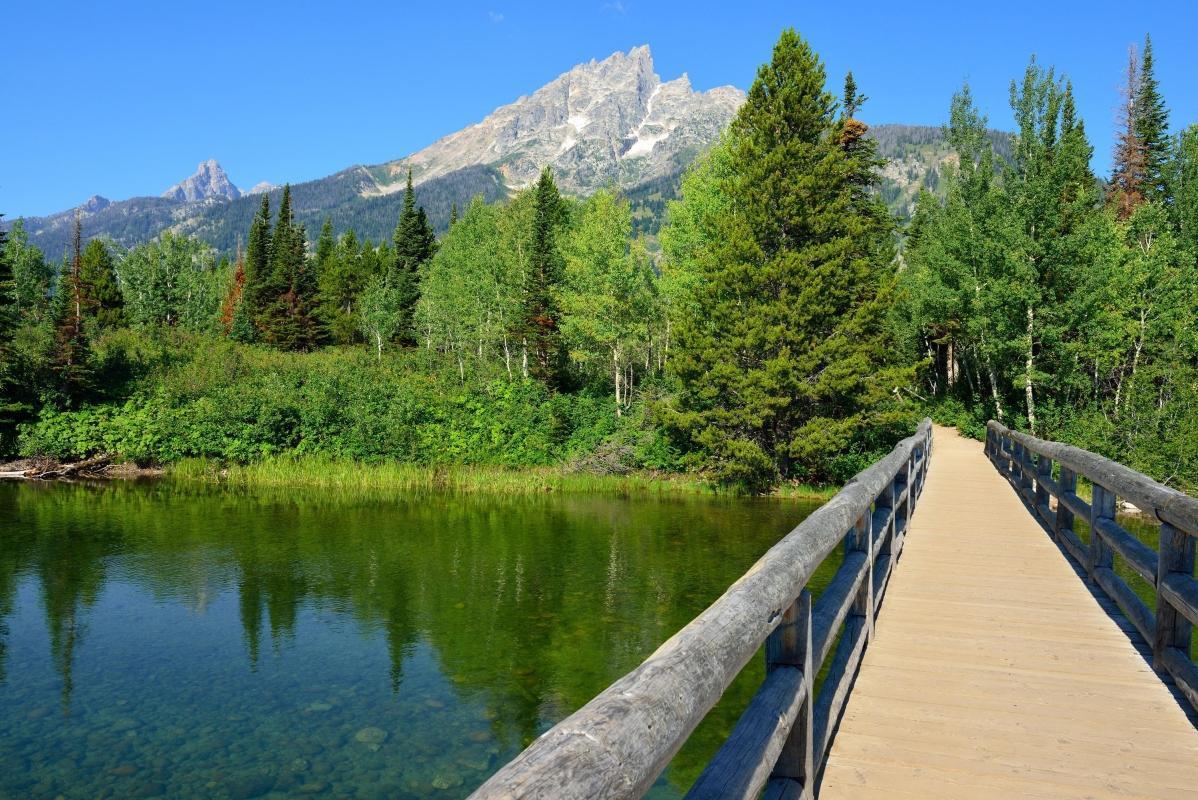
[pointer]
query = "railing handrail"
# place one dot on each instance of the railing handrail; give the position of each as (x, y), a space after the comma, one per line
(617, 744)
(1169, 570)
(1167, 504)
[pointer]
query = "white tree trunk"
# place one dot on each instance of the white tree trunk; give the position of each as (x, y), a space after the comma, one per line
(1027, 372)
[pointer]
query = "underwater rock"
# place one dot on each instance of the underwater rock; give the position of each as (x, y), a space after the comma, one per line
(149, 789)
(313, 787)
(125, 724)
(372, 737)
(249, 786)
(123, 770)
(320, 706)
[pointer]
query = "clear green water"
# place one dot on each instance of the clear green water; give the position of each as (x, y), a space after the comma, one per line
(163, 641)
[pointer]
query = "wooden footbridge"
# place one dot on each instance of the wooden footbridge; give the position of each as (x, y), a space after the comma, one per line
(1009, 658)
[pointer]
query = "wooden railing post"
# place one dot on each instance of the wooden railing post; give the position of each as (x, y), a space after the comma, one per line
(885, 537)
(1176, 554)
(1102, 506)
(1067, 485)
(863, 541)
(790, 646)
(1043, 470)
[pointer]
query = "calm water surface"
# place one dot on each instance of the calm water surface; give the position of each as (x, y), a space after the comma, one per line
(159, 641)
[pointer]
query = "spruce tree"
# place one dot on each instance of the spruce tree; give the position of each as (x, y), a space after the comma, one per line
(546, 266)
(107, 307)
(784, 361)
(415, 243)
(1126, 188)
(1151, 125)
(288, 319)
(71, 346)
(258, 258)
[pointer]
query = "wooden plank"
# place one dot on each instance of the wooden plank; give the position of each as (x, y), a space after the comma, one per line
(1183, 672)
(834, 603)
(743, 764)
(1181, 592)
(993, 673)
(1140, 614)
(1137, 555)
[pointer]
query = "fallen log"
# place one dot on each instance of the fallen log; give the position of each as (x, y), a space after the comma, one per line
(93, 467)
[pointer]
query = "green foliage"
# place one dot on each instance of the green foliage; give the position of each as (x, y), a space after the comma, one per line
(222, 400)
(381, 313)
(1031, 302)
(172, 281)
(99, 276)
(782, 362)
(1151, 125)
(542, 318)
(415, 244)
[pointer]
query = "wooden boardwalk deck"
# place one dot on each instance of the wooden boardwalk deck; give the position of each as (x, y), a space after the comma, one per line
(995, 673)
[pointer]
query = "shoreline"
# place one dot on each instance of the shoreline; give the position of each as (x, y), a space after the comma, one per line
(354, 477)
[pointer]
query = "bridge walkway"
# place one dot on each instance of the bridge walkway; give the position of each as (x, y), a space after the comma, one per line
(995, 673)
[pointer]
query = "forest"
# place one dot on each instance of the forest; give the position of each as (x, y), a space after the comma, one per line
(788, 330)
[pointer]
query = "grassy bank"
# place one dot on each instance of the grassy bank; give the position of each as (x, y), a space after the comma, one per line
(391, 478)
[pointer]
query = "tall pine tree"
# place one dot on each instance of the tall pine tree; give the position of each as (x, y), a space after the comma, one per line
(71, 345)
(1151, 124)
(784, 361)
(288, 318)
(415, 243)
(1126, 189)
(98, 273)
(542, 340)
(257, 268)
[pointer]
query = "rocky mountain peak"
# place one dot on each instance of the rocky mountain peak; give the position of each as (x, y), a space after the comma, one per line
(600, 122)
(95, 203)
(208, 181)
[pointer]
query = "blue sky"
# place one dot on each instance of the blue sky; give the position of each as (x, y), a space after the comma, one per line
(125, 98)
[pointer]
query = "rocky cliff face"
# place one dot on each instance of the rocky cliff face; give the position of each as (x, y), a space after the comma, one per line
(602, 122)
(208, 181)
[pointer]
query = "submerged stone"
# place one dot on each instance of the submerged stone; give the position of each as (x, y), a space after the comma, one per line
(248, 786)
(372, 737)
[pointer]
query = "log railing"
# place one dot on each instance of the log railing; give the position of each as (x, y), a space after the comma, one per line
(1028, 463)
(617, 744)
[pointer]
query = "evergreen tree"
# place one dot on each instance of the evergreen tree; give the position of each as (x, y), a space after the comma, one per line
(98, 273)
(1184, 180)
(453, 213)
(785, 361)
(288, 315)
(258, 259)
(415, 243)
(542, 339)
(1126, 188)
(1151, 125)
(71, 345)
(9, 405)
(32, 276)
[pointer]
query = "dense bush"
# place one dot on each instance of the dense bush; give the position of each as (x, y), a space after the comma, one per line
(239, 403)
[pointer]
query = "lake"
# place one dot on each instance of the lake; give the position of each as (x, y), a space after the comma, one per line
(161, 640)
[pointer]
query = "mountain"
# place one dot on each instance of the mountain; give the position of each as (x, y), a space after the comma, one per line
(609, 122)
(604, 123)
(208, 181)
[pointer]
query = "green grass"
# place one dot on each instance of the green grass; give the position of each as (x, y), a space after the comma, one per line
(353, 477)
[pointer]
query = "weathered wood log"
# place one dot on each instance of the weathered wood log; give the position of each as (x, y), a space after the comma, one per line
(1168, 505)
(1138, 555)
(89, 467)
(1136, 611)
(616, 745)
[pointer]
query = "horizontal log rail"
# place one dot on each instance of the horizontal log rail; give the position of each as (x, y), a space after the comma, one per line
(620, 742)
(1029, 462)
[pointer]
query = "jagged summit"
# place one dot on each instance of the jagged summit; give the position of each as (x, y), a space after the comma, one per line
(601, 122)
(208, 181)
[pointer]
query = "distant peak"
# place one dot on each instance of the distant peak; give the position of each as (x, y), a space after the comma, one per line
(96, 203)
(209, 180)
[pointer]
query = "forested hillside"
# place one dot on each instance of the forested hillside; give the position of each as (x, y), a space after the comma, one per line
(768, 333)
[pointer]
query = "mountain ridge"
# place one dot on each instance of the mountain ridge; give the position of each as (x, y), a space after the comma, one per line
(610, 122)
